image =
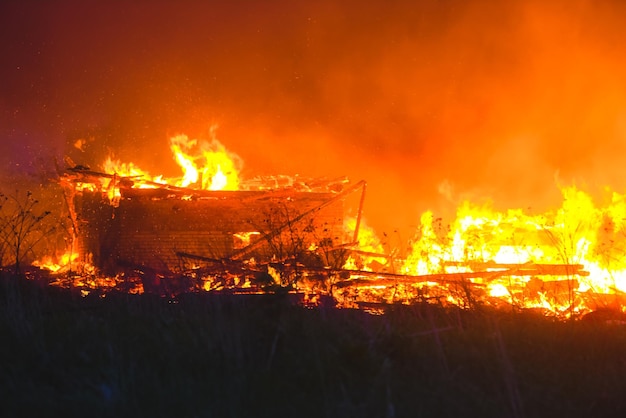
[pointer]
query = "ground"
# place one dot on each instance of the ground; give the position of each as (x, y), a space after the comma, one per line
(218, 355)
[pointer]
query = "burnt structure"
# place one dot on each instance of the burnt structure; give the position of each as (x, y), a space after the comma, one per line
(172, 229)
(289, 236)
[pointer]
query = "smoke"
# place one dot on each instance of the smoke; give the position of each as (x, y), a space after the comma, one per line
(431, 102)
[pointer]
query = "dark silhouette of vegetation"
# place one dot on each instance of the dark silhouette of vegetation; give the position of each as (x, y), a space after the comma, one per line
(297, 243)
(207, 355)
(22, 228)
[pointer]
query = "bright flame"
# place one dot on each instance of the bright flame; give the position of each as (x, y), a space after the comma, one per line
(560, 261)
(205, 165)
(502, 243)
(567, 261)
(180, 146)
(370, 249)
(219, 181)
(57, 264)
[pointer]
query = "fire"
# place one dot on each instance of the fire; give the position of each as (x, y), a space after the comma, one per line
(370, 253)
(482, 239)
(566, 261)
(205, 165)
(179, 146)
(61, 263)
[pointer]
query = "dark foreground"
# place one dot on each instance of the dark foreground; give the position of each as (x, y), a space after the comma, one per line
(207, 355)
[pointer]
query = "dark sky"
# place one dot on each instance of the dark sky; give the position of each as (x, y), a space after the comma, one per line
(429, 101)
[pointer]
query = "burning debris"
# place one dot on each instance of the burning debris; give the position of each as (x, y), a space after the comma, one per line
(209, 230)
(208, 224)
(174, 230)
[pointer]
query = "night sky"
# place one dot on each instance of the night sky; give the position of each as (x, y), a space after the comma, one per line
(429, 101)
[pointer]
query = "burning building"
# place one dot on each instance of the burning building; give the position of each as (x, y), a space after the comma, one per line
(211, 225)
(170, 229)
(130, 220)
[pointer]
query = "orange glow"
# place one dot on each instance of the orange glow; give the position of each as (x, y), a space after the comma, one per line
(566, 261)
(481, 239)
(370, 252)
(62, 263)
(205, 166)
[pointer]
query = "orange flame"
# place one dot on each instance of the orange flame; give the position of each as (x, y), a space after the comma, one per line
(57, 264)
(578, 233)
(557, 261)
(370, 252)
(205, 165)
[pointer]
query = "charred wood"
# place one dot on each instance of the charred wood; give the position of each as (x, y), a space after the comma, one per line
(368, 278)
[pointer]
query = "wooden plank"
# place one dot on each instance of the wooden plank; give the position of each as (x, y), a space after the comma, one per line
(367, 278)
